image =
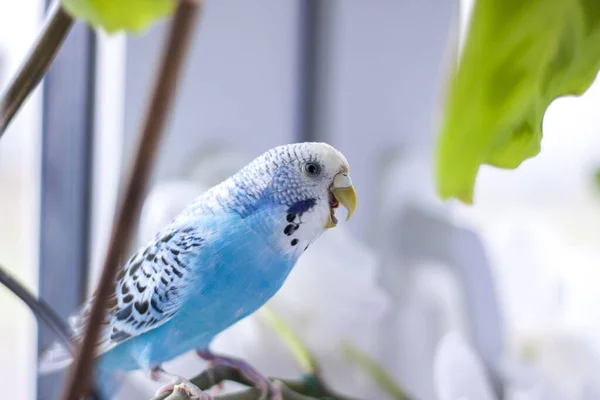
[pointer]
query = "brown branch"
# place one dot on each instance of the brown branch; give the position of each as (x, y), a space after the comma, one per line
(246, 394)
(309, 388)
(55, 30)
(42, 311)
(181, 29)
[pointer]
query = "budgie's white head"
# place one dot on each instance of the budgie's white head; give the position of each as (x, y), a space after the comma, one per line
(308, 175)
(309, 180)
(304, 183)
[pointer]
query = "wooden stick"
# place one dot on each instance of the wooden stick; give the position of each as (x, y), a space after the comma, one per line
(174, 54)
(57, 26)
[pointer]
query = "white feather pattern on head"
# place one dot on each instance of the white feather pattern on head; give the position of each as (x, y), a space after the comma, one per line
(248, 186)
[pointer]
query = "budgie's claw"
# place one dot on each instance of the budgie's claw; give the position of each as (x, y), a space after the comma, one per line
(177, 383)
(187, 387)
(268, 389)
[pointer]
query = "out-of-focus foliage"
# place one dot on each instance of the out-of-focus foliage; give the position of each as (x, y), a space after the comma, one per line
(518, 57)
(597, 179)
(293, 341)
(116, 15)
(375, 371)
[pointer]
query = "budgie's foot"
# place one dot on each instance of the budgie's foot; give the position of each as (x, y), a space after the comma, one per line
(269, 391)
(177, 383)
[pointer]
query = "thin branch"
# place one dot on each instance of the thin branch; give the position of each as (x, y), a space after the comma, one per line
(163, 95)
(309, 388)
(42, 311)
(246, 394)
(55, 30)
(290, 390)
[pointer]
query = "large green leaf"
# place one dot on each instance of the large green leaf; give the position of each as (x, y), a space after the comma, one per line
(519, 56)
(115, 15)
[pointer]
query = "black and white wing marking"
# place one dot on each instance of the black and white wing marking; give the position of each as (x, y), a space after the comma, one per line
(150, 288)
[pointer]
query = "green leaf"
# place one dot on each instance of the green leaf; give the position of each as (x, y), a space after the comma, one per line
(597, 179)
(518, 57)
(116, 15)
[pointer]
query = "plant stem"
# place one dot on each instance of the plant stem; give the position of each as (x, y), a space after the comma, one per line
(42, 311)
(163, 95)
(300, 352)
(309, 388)
(214, 376)
(383, 379)
(55, 30)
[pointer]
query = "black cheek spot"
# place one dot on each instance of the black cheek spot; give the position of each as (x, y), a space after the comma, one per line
(294, 242)
(302, 206)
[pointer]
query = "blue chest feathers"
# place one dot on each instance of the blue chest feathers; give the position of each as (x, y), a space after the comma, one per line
(239, 272)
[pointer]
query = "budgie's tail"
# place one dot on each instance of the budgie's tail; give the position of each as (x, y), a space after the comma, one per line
(54, 359)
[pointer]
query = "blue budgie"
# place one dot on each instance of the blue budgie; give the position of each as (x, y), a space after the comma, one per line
(220, 260)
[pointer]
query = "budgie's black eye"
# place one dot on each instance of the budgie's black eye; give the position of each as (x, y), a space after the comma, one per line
(312, 169)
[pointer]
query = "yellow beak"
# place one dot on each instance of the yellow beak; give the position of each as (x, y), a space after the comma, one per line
(344, 193)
